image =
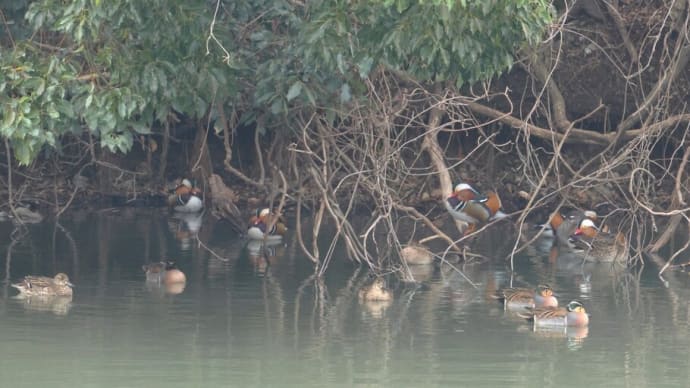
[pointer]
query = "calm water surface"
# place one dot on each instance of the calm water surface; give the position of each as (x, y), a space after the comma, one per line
(248, 319)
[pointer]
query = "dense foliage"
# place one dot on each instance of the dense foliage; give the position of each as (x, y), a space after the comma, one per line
(113, 69)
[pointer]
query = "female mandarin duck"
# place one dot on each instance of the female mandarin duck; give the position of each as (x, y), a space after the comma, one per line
(186, 198)
(520, 298)
(376, 291)
(599, 245)
(259, 226)
(573, 314)
(469, 205)
(45, 286)
(561, 227)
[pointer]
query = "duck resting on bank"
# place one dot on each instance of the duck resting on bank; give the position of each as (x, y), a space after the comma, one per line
(598, 245)
(469, 205)
(561, 226)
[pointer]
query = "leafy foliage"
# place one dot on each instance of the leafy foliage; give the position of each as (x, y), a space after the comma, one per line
(109, 68)
(115, 68)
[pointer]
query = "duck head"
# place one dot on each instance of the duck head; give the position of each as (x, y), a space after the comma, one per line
(62, 279)
(576, 307)
(465, 192)
(586, 228)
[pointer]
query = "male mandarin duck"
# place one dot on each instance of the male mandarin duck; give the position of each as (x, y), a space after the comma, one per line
(186, 198)
(599, 245)
(573, 314)
(375, 292)
(45, 286)
(518, 298)
(469, 205)
(165, 272)
(259, 226)
(560, 227)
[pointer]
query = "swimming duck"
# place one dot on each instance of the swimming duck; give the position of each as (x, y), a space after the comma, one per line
(173, 274)
(375, 291)
(573, 314)
(164, 271)
(469, 205)
(599, 245)
(45, 286)
(186, 198)
(520, 298)
(259, 226)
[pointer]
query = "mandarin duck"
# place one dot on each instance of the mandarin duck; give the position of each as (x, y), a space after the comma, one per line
(560, 227)
(599, 245)
(519, 298)
(187, 198)
(165, 272)
(376, 291)
(44, 286)
(573, 314)
(259, 226)
(469, 205)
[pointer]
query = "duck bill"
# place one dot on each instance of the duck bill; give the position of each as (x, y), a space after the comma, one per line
(70, 284)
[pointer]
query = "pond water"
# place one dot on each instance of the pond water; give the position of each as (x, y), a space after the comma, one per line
(248, 319)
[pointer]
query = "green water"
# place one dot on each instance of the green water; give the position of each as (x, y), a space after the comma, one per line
(248, 320)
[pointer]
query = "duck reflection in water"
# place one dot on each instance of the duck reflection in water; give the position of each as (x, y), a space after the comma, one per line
(186, 227)
(575, 336)
(264, 254)
(58, 305)
(165, 276)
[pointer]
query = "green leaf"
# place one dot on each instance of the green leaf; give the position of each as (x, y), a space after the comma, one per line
(294, 90)
(364, 66)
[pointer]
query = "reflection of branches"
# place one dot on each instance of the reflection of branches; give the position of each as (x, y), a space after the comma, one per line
(16, 236)
(319, 301)
(72, 244)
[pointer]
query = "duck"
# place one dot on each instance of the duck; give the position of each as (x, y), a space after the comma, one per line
(416, 254)
(259, 226)
(165, 272)
(45, 286)
(467, 204)
(376, 291)
(186, 198)
(27, 215)
(154, 271)
(173, 275)
(599, 245)
(518, 298)
(574, 314)
(561, 226)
